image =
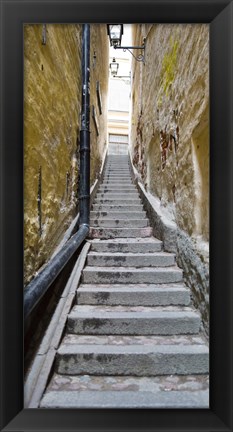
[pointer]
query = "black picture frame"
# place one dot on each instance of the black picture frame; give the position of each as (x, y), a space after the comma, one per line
(219, 14)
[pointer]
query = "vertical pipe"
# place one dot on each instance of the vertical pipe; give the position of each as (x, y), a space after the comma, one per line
(84, 187)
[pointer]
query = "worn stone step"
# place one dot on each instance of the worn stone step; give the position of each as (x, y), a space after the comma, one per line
(115, 182)
(132, 320)
(121, 223)
(116, 169)
(133, 295)
(118, 201)
(128, 259)
(119, 184)
(121, 180)
(118, 180)
(118, 173)
(116, 158)
(131, 275)
(117, 164)
(116, 176)
(117, 207)
(109, 233)
(88, 339)
(117, 195)
(130, 185)
(190, 391)
(118, 215)
(143, 245)
(118, 189)
(125, 399)
(135, 360)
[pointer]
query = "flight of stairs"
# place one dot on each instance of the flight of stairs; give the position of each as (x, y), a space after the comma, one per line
(133, 339)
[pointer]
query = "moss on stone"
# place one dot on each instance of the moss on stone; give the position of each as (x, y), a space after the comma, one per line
(169, 65)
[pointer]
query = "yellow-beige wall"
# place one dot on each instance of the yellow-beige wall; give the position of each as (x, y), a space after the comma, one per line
(170, 120)
(52, 108)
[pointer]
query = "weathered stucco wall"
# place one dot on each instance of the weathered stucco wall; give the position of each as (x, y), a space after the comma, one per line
(170, 135)
(99, 72)
(52, 107)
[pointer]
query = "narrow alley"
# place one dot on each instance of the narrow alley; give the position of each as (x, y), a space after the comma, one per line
(116, 237)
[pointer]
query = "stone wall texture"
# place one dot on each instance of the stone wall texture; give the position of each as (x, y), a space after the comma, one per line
(170, 134)
(52, 108)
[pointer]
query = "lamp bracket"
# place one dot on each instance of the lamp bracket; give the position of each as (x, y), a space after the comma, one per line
(140, 57)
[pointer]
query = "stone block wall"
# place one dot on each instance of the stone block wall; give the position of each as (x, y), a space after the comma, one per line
(170, 136)
(52, 108)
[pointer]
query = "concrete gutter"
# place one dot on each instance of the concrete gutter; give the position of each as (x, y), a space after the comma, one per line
(38, 375)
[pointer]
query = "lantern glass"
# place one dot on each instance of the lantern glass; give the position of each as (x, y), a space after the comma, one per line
(114, 66)
(115, 32)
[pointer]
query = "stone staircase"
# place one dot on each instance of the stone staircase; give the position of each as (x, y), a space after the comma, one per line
(133, 339)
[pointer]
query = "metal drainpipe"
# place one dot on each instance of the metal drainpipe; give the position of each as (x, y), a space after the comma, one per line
(40, 284)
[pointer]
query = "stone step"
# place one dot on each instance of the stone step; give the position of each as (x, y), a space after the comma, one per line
(117, 184)
(111, 233)
(125, 399)
(143, 245)
(120, 182)
(117, 164)
(117, 195)
(117, 207)
(132, 320)
(131, 275)
(117, 168)
(118, 215)
(124, 185)
(135, 360)
(127, 391)
(119, 179)
(116, 176)
(118, 172)
(133, 295)
(116, 158)
(137, 260)
(121, 223)
(118, 189)
(117, 201)
(87, 339)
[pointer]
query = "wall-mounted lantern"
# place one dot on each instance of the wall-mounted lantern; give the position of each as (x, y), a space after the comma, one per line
(114, 66)
(115, 32)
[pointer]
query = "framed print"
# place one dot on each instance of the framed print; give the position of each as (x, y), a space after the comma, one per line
(218, 14)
